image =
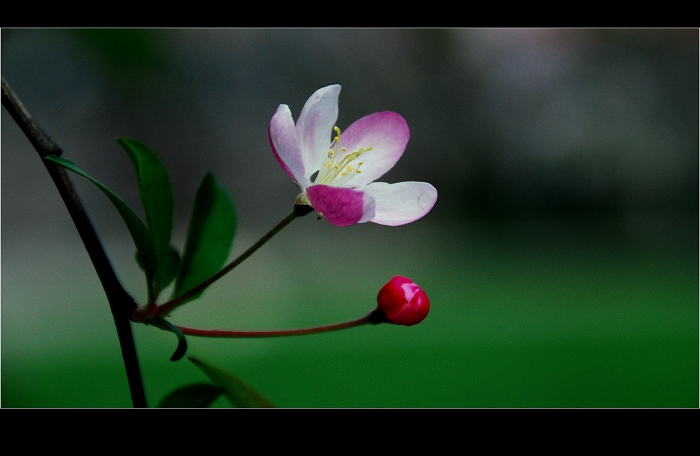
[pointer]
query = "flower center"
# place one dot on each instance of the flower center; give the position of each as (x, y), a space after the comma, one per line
(338, 171)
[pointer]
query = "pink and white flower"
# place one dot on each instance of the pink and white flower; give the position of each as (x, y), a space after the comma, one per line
(337, 180)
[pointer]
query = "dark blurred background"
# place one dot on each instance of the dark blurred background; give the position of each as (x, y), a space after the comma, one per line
(561, 257)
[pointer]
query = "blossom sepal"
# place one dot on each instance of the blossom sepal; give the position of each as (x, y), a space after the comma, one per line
(403, 302)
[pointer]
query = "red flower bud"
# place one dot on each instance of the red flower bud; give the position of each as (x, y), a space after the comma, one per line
(403, 302)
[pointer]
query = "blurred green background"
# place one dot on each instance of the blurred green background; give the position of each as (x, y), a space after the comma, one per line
(561, 258)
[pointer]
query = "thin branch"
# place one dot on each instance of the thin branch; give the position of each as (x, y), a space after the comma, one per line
(374, 317)
(119, 300)
(167, 307)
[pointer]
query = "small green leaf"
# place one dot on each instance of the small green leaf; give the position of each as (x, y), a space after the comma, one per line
(209, 238)
(238, 393)
(170, 267)
(139, 233)
(156, 197)
(181, 340)
(171, 263)
(191, 396)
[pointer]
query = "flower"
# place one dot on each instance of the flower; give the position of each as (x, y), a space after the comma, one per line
(403, 302)
(337, 180)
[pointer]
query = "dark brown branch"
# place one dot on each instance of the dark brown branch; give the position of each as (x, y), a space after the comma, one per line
(119, 300)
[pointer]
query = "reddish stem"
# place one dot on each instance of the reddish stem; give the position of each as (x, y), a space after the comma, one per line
(374, 317)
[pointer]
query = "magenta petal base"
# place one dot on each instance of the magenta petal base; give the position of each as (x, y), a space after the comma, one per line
(340, 206)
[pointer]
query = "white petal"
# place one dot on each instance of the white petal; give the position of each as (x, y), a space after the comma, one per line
(315, 127)
(285, 145)
(401, 203)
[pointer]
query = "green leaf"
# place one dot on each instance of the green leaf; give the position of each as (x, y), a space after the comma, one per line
(170, 266)
(181, 340)
(156, 197)
(209, 238)
(190, 396)
(238, 393)
(171, 263)
(139, 233)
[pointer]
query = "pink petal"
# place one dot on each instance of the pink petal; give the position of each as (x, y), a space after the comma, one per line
(398, 204)
(387, 133)
(341, 206)
(285, 145)
(315, 127)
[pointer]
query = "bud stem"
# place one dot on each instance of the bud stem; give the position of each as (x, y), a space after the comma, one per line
(372, 318)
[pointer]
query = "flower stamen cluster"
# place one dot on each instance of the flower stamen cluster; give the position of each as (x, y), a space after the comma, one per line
(331, 170)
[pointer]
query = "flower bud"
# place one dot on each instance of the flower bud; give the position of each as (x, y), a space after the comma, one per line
(403, 302)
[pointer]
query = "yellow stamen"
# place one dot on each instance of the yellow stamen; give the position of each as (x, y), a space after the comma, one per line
(339, 170)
